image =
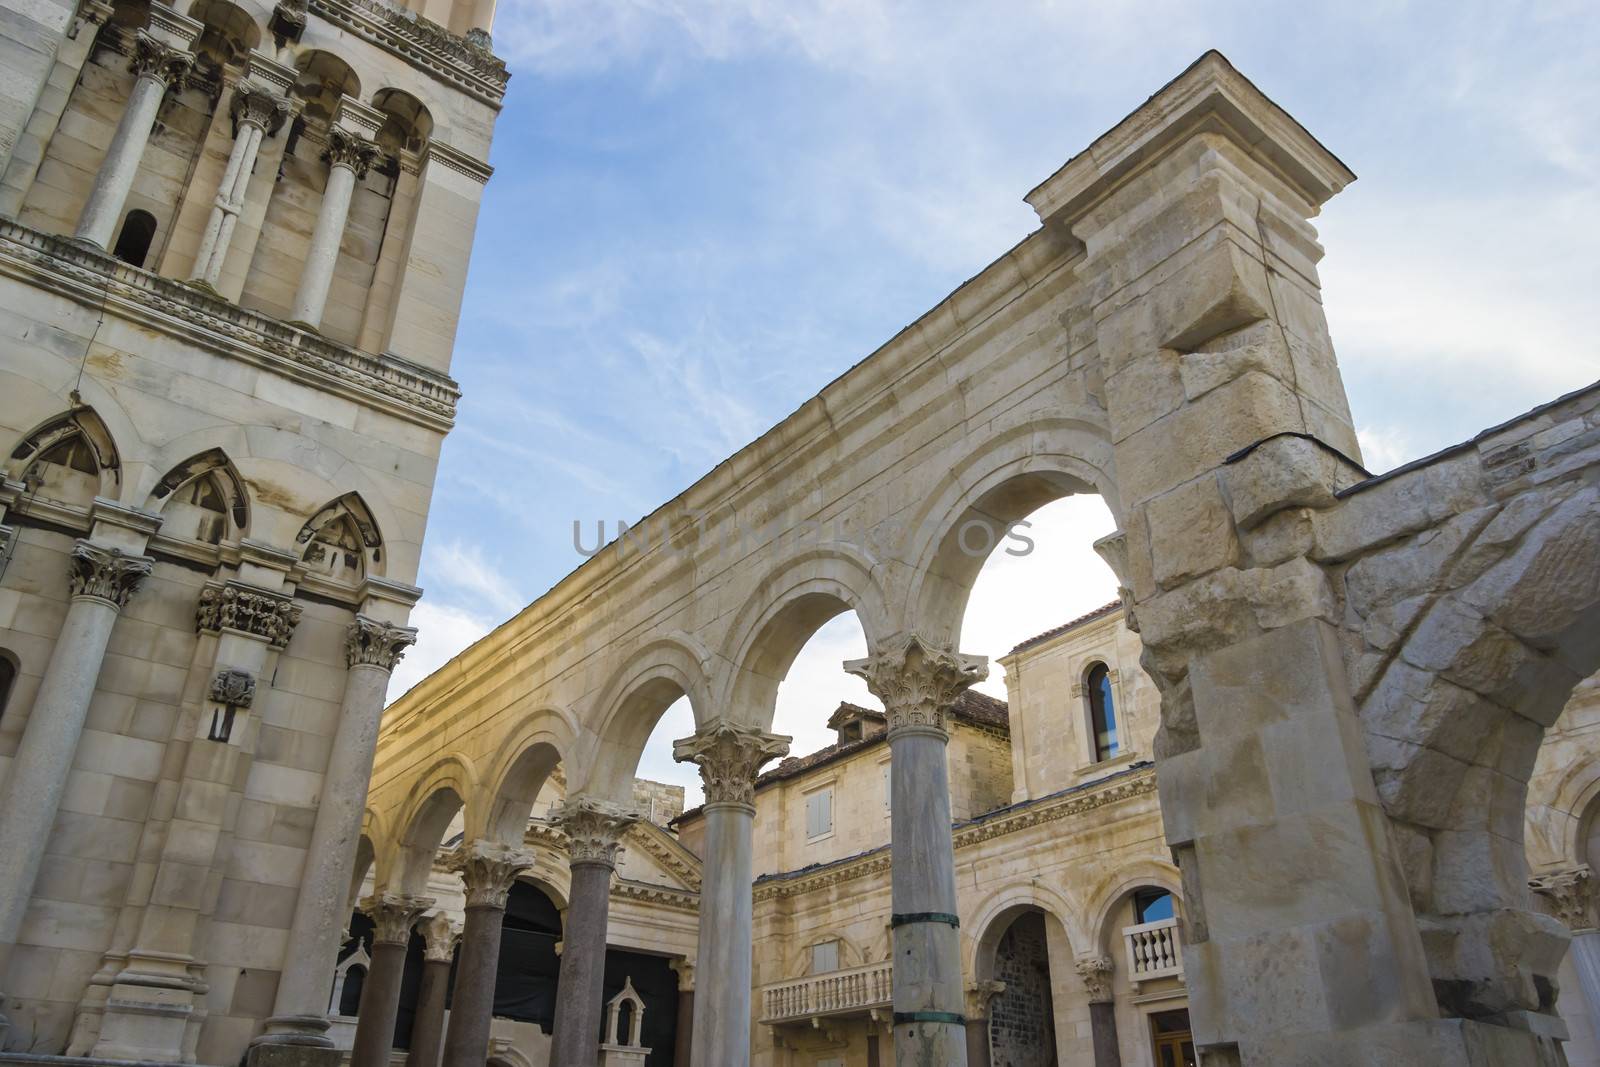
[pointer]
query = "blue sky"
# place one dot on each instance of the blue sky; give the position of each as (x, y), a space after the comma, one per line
(704, 210)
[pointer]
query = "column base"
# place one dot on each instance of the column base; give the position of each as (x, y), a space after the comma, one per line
(293, 1056)
(294, 1031)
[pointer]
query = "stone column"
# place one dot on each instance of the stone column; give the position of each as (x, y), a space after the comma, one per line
(101, 580)
(683, 1035)
(594, 829)
(488, 872)
(349, 154)
(159, 60)
(1570, 896)
(299, 1014)
(918, 683)
(979, 997)
(392, 917)
(1096, 973)
(440, 937)
(257, 114)
(729, 755)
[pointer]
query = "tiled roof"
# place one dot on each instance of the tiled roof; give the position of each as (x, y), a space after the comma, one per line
(1072, 624)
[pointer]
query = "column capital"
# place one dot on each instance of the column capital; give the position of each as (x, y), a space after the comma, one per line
(729, 754)
(349, 150)
(1096, 972)
(440, 936)
(594, 829)
(378, 644)
(254, 106)
(153, 58)
(488, 871)
(393, 915)
(683, 967)
(979, 996)
(107, 574)
(918, 681)
(1570, 894)
(236, 606)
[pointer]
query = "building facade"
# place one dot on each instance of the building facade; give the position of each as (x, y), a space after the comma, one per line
(233, 244)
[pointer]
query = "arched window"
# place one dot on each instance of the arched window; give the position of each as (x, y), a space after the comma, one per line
(8, 678)
(1102, 712)
(133, 243)
(1152, 904)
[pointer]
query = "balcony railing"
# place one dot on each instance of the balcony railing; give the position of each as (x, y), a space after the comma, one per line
(855, 989)
(1153, 950)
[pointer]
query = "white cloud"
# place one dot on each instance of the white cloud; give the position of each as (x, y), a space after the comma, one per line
(466, 575)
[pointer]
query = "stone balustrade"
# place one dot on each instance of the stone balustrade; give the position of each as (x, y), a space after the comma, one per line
(853, 989)
(1154, 950)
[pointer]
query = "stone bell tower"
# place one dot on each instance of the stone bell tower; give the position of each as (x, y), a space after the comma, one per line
(233, 244)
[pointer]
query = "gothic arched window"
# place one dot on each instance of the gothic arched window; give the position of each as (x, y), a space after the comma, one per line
(1102, 712)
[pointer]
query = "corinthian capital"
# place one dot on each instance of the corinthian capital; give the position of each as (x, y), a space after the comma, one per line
(729, 755)
(1096, 973)
(236, 606)
(105, 573)
(918, 682)
(346, 149)
(253, 106)
(377, 644)
(393, 915)
(594, 829)
(439, 938)
(153, 58)
(488, 871)
(1570, 895)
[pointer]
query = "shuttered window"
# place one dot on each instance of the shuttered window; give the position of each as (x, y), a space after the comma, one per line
(819, 813)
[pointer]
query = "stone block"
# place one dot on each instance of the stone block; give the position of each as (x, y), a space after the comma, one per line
(1191, 533)
(264, 1055)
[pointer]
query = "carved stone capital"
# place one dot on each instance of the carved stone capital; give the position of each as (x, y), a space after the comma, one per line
(377, 644)
(1570, 896)
(439, 938)
(105, 573)
(918, 682)
(979, 996)
(253, 106)
(683, 967)
(346, 149)
(153, 58)
(488, 871)
(729, 755)
(288, 20)
(1096, 972)
(594, 829)
(234, 688)
(393, 915)
(270, 616)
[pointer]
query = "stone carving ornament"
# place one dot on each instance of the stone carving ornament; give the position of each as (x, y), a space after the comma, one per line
(251, 611)
(234, 688)
(346, 149)
(1096, 973)
(594, 829)
(155, 59)
(440, 937)
(918, 682)
(729, 755)
(488, 871)
(105, 573)
(393, 915)
(371, 643)
(254, 106)
(1571, 894)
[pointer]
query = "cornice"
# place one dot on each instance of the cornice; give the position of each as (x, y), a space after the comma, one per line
(424, 44)
(658, 895)
(458, 161)
(91, 278)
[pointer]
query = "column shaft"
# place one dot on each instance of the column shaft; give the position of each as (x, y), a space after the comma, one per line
(380, 1006)
(723, 964)
(580, 994)
(683, 1038)
(323, 254)
(467, 1042)
(978, 1043)
(1103, 1019)
(115, 177)
(1586, 961)
(427, 1033)
(230, 200)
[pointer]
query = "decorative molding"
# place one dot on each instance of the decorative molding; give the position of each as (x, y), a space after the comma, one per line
(393, 915)
(236, 606)
(458, 161)
(729, 756)
(253, 106)
(918, 682)
(440, 936)
(106, 574)
(656, 895)
(665, 850)
(234, 688)
(1096, 972)
(159, 61)
(94, 279)
(371, 643)
(488, 871)
(1570, 894)
(979, 996)
(422, 43)
(593, 828)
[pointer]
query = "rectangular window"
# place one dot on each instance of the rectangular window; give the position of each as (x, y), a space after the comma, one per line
(824, 957)
(819, 813)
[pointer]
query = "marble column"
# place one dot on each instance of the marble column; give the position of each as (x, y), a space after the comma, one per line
(392, 917)
(979, 997)
(157, 64)
(439, 939)
(594, 830)
(918, 683)
(299, 1013)
(729, 755)
(257, 115)
(349, 155)
(101, 580)
(1096, 973)
(488, 872)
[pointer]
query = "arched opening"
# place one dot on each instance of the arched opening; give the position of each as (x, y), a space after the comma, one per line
(69, 460)
(227, 36)
(528, 789)
(407, 124)
(1102, 712)
(1022, 1016)
(341, 542)
(323, 79)
(424, 835)
(529, 970)
(134, 239)
(203, 499)
(1145, 992)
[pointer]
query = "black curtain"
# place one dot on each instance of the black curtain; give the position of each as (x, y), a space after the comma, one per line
(656, 982)
(525, 985)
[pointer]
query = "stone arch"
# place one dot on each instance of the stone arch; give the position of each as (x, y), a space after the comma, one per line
(342, 540)
(1113, 890)
(530, 754)
(213, 466)
(230, 32)
(79, 444)
(408, 124)
(323, 78)
(1002, 481)
(440, 793)
(996, 913)
(629, 706)
(786, 609)
(1579, 796)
